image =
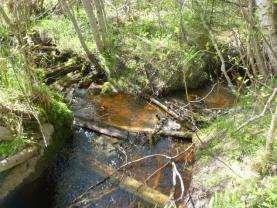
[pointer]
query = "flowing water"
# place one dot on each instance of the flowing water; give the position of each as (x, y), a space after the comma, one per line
(72, 173)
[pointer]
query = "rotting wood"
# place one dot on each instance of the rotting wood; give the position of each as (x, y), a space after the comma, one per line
(127, 132)
(131, 185)
(61, 71)
(18, 158)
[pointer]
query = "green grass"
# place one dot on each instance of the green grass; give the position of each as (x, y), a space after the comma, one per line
(8, 148)
(60, 28)
(248, 193)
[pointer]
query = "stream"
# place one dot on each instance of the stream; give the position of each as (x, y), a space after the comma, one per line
(72, 179)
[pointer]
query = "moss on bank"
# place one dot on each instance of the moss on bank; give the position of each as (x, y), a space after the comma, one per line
(49, 108)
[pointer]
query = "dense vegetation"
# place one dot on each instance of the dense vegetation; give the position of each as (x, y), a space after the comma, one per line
(150, 48)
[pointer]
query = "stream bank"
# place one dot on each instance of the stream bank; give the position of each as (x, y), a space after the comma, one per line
(43, 141)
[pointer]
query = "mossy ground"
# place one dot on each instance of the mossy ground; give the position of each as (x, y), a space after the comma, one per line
(47, 105)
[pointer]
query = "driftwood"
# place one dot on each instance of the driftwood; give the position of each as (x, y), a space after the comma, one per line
(126, 132)
(166, 109)
(18, 158)
(131, 185)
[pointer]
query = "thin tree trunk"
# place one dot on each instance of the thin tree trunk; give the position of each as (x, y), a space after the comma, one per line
(214, 42)
(90, 56)
(272, 134)
(254, 40)
(93, 24)
(223, 65)
(100, 11)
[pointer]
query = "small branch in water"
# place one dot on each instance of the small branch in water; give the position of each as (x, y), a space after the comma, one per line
(203, 98)
(110, 173)
(156, 171)
(165, 108)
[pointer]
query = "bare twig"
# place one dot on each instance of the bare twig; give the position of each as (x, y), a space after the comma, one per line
(272, 96)
(203, 98)
(156, 171)
(177, 173)
(170, 159)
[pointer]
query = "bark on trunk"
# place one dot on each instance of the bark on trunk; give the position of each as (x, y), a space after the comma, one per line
(100, 11)
(67, 10)
(93, 24)
(91, 57)
(272, 134)
(268, 19)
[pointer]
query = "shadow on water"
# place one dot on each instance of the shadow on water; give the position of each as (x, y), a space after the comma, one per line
(71, 173)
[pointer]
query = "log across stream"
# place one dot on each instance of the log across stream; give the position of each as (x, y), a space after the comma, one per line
(86, 174)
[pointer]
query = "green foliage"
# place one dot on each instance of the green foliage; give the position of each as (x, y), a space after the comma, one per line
(64, 34)
(244, 152)
(26, 96)
(59, 114)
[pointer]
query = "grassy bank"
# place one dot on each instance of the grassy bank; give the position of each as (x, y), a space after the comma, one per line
(231, 164)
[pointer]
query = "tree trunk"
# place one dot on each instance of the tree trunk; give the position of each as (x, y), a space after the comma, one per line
(93, 24)
(272, 134)
(66, 9)
(268, 20)
(100, 11)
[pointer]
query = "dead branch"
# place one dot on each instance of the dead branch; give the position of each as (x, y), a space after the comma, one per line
(109, 174)
(271, 135)
(165, 108)
(61, 71)
(121, 133)
(156, 171)
(272, 96)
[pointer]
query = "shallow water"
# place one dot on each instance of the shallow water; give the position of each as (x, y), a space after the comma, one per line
(71, 173)
(125, 110)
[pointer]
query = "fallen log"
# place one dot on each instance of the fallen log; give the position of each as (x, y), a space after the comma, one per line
(102, 129)
(125, 132)
(18, 158)
(131, 185)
